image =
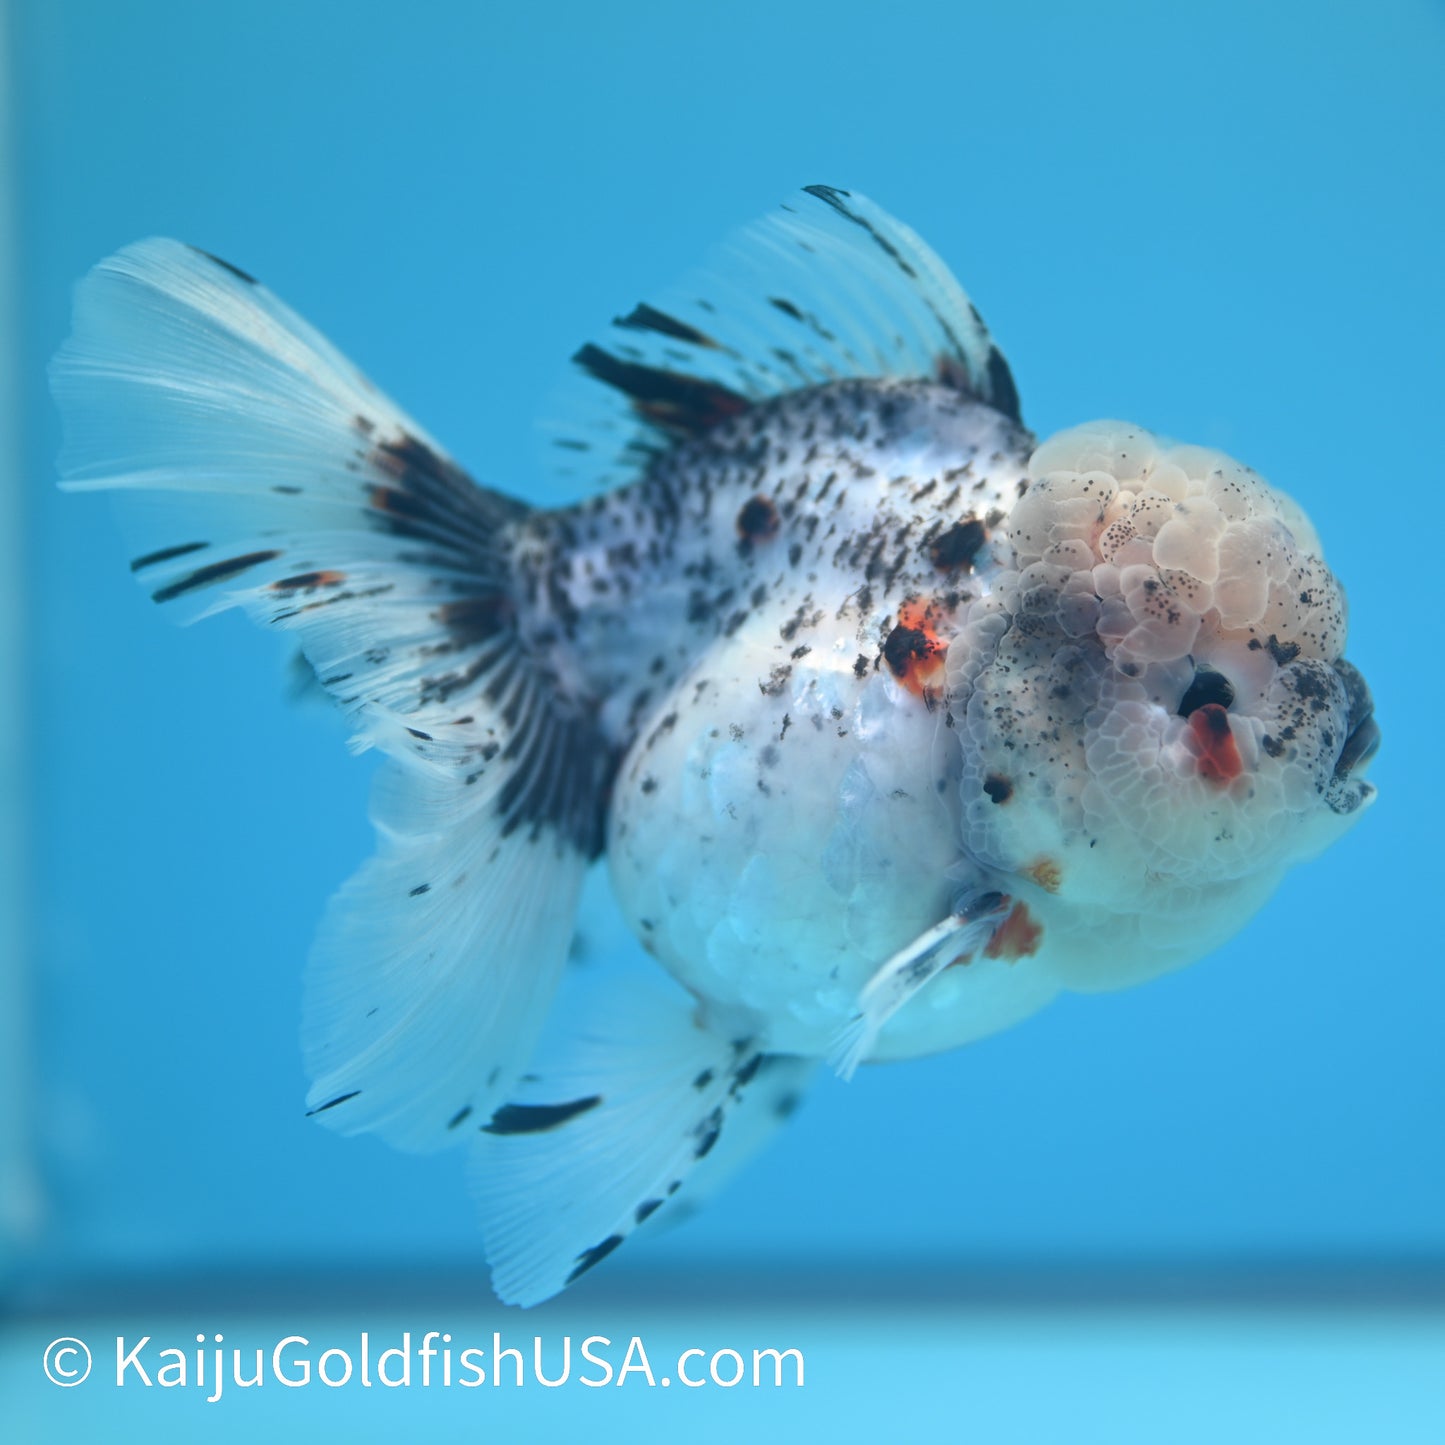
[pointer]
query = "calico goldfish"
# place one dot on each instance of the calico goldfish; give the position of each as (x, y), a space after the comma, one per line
(890, 722)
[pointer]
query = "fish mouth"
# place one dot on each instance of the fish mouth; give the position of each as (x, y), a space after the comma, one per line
(1362, 741)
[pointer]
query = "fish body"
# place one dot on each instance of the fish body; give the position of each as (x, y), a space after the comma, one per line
(785, 812)
(890, 723)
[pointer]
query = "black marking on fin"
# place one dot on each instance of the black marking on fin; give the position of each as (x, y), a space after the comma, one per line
(216, 572)
(557, 766)
(595, 1255)
(832, 196)
(1003, 394)
(332, 1103)
(460, 1117)
(647, 1209)
(744, 1075)
(537, 1118)
(643, 317)
(689, 405)
(166, 554)
(236, 271)
(707, 1134)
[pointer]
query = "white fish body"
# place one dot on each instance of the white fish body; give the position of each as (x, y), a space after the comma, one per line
(890, 724)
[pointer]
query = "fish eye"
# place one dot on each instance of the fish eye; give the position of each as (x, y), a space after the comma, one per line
(1208, 686)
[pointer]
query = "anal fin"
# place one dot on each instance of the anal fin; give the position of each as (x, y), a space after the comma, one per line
(642, 1103)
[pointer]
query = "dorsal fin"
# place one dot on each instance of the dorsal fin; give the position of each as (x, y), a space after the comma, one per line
(827, 287)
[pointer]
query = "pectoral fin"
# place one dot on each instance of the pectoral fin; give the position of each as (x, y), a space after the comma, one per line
(966, 929)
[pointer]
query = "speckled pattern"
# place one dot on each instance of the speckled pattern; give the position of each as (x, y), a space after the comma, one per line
(787, 795)
(1138, 727)
(890, 725)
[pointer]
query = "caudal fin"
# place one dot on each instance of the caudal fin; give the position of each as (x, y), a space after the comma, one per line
(257, 468)
(642, 1110)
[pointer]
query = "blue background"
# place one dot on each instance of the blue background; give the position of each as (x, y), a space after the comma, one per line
(1222, 222)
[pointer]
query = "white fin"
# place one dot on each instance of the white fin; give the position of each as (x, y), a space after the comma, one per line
(826, 288)
(968, 928)
(260, 469)
(608, 1130)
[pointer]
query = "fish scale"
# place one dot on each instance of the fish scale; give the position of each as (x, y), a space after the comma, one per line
(862, 475)
(767, 707)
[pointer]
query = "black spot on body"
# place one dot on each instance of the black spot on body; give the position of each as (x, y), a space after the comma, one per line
(758, 520)
(777, 680)
(905, 645)
(958, 546)
(1282, 652)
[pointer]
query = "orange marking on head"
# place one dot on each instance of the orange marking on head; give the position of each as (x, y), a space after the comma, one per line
(1046, 873)
(914, 651)
(1219, 759)
(1018, 936)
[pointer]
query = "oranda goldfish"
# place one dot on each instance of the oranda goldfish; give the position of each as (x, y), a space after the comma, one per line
(890, 722)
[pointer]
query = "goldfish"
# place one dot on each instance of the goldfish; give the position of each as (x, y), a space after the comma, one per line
(890, 722)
